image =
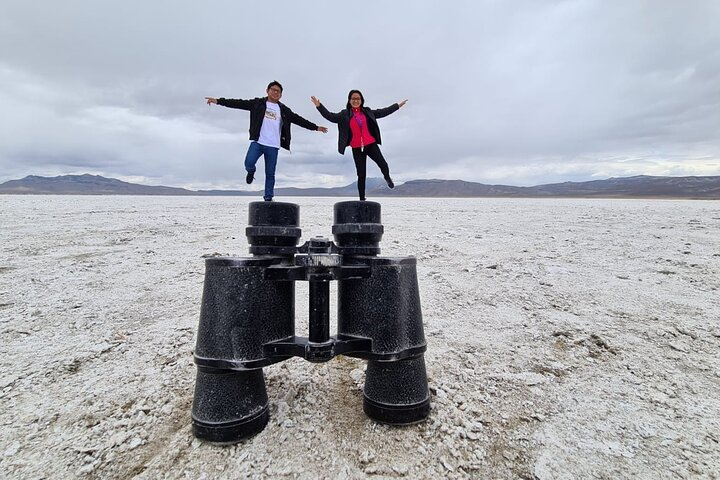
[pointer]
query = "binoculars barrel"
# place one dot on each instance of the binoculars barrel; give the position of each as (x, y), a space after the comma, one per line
(247, 319)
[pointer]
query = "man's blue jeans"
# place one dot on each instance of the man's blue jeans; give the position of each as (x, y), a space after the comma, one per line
(255, 151)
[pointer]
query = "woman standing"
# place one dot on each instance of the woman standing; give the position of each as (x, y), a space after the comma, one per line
(358, 128)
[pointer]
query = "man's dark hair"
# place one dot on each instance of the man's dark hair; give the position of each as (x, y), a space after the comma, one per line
(274, 83)
(362, 99)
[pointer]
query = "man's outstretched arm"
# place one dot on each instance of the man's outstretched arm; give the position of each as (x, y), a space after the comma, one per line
(231, 102)
(305, 123)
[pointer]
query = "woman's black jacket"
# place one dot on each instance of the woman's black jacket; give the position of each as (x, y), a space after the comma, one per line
(343, 120)
(257, 114)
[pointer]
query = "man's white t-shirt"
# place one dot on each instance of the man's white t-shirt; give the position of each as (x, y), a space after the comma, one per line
(270, 129)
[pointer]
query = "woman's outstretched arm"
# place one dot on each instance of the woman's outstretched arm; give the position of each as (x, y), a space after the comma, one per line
(328, 115)
(384, 112)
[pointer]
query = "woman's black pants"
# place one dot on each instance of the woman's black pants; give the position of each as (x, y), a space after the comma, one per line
(360, 157)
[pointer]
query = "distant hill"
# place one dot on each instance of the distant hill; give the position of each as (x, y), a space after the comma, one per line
(626, 187)
(641, 186)
(455, 188)
(638, 186)
(84, 185)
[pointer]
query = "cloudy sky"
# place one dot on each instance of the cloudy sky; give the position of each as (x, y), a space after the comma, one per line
(511, 92)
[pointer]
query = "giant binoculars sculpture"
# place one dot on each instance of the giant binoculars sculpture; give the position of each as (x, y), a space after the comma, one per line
(247, 319)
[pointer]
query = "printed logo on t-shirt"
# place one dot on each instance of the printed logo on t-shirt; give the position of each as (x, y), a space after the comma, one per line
(270, 114)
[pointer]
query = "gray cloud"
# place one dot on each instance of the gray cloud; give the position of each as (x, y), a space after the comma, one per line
(499, 92)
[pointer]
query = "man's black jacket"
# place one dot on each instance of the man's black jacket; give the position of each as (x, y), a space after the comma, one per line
(343, 121)
(257, 114)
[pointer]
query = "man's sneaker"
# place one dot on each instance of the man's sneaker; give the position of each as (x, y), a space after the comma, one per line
(250, 177)
(390, 182)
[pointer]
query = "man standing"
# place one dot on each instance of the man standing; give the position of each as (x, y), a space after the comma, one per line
(269, 130)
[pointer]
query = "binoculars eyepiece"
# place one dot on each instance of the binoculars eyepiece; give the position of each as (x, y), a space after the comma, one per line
(247, 319)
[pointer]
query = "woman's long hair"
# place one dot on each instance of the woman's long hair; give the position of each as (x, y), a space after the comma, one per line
(362, 99)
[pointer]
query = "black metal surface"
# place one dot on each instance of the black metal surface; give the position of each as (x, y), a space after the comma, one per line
(384, 307)
(319, 319)
(317, 352)
(396, 392)
(229, 406)
(247, 319)
(357, 229)
(273, 228)
(241, 310)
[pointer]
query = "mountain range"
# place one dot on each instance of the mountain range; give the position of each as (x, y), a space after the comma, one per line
(643, 186)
